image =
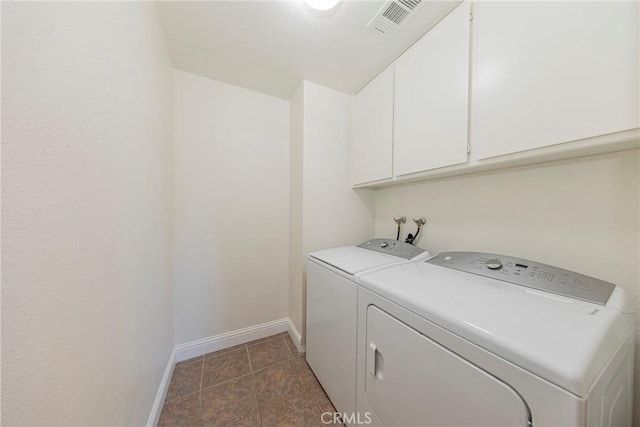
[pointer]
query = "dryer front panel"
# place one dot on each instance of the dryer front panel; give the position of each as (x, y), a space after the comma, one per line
(413, 381)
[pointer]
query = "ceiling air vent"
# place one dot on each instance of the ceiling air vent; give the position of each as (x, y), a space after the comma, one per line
(392, 15)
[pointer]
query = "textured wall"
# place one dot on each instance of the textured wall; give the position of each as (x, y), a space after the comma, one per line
(332, 213)
(231, 207)
(579, 214)
(296, 257)
(87, 319)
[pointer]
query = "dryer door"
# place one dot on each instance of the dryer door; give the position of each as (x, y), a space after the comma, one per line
(413, 381)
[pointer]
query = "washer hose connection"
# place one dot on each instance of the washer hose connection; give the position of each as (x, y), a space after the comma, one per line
(420, 222)
(399, 221)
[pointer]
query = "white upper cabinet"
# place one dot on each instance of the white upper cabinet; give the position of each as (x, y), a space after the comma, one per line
(431, 97)
(372, 137)
(552, 72)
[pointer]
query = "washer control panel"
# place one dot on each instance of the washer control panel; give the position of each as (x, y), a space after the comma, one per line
(528, 273)
(392, 247)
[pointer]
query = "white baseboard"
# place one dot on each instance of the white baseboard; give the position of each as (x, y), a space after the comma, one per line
(156, 409)
(296, 336)
(228, 339)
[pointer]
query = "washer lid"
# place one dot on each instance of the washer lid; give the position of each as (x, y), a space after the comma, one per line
(566, 341)
(353, 259)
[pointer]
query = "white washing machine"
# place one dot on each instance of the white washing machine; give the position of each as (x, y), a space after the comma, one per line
(332, 311)
(473, 339)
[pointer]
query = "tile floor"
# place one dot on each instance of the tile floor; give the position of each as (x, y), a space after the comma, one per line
(262, 383)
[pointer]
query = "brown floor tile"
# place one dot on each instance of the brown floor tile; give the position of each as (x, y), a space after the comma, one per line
(180, 412)
(252, 421)
(286, 392)
(225, 367)
(192, 360)
(225, 350)
(270, 337)
(307, 374)
(301, 410)
(292, 346)
(277, 383)
(322, 400)
(268, 353)
(185, 380)
(228, 403)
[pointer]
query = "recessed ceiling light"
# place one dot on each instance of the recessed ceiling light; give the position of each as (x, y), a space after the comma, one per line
(322, 8)
(322, 5)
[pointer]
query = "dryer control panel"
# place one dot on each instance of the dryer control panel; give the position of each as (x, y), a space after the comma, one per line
(392, 247)
(528, 273)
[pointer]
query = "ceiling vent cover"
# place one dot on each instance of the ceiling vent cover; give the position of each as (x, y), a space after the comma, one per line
(392, 15)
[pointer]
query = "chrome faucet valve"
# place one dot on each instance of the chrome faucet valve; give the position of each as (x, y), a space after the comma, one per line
(420, 221)
(400, 220)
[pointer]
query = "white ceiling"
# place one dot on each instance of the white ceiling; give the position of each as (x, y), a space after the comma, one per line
(270, 46)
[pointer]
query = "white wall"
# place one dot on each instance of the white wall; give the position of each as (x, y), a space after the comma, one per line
(332, 213)
(231, 207)
(87, 324)
(579, 214)
(296, 256)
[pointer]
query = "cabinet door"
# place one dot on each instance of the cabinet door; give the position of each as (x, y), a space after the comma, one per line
(372, 138)
(552, 72)
(431, 97)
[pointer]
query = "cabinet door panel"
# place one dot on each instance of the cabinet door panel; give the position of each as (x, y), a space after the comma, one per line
(372, 139)
(431, 98)
(552, 72)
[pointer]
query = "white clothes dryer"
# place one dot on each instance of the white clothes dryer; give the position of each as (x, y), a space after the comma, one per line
(473, 339)
(332, 311)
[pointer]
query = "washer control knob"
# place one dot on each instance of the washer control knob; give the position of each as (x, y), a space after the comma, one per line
(494, 264)
(384, 244)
